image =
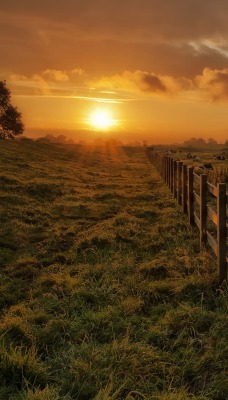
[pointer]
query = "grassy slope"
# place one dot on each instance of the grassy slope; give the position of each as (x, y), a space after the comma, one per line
(103, 292)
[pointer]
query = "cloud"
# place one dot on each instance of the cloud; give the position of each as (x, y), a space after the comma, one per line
(151, 83)
(48, 82)
(111, 88)
(176, 38)
(33, 85)
(143, 19)
(214, 83)
(56, 75)
(143, 82)
(59, 84)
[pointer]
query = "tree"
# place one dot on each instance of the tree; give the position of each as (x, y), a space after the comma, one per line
(212, 142)
(195, 142)
(11, 124)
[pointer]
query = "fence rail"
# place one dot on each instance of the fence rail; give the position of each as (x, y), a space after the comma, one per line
(182, 180)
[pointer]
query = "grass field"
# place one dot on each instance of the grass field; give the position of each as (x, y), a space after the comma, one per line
(220, 167)
(104, 294)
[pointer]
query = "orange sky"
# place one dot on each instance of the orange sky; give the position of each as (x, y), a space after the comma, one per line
(159, 66)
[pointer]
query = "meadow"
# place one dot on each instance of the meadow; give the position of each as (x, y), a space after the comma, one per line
(104, 292)
(220, 167)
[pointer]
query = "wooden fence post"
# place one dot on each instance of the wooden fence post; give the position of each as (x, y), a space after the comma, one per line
(175, 178)
(179, 173)
(171, 176)
(190, 196)
(163, 167)
(221, 231)
(166, 169)
(203, 209)
(184, 188)
(169, 172)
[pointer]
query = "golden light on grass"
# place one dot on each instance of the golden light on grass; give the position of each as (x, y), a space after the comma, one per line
(102, 119)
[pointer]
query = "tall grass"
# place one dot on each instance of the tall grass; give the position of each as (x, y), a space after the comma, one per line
(104, 293)
(218, 175)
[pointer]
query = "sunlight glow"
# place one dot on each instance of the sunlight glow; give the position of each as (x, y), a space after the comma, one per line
(101, 119)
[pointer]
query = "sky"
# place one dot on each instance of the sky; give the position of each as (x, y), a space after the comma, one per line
(158, 68)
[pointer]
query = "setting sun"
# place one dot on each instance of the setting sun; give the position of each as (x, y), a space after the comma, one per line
(101, 119)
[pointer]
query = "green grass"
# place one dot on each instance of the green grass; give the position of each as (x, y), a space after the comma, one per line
(104, 293)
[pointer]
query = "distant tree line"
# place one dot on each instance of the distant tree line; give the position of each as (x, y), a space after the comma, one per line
(201, 143)
(55, 139)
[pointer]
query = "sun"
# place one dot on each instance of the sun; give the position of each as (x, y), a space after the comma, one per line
(101, 119)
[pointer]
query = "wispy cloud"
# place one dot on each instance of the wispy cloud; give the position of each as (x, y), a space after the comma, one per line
(113, 88)
(60, 84)
(211, 84)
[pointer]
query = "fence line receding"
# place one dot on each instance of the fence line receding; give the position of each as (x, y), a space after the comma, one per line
(184, 183)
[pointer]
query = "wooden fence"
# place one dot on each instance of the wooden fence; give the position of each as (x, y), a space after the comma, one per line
(183, 183)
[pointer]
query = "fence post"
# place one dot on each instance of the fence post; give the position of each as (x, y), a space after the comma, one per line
(190, 196)
(160, 163)
(175, 178)
(171, 180)
(203, 209)
(169, 172)
(166, 169)
(163, 167)
(184, 188)
(221, 231)
(179, 173)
